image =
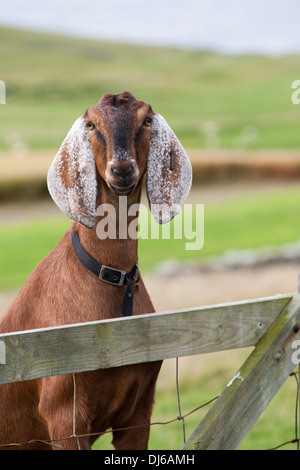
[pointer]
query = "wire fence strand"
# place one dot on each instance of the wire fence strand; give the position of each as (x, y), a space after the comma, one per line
(296, 439)
(74, 412)
(178, 399)
(52, 442)
(180, 417)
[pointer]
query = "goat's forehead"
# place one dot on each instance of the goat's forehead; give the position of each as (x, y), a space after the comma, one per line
(115, 107)
(121, 99)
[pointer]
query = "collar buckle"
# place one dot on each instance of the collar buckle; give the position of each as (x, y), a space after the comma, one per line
(113, 276)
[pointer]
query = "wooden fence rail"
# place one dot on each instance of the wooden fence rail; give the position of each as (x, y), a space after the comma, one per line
(269, 324)
(101, 344)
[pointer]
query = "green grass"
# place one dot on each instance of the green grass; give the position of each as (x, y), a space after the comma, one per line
(51, 80)
(246, 222)
(251, 221)
(23, 246)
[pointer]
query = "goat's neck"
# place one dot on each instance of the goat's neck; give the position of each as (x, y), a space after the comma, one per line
(120, 253)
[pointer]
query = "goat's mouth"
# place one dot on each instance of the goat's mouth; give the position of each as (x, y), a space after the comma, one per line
(122, 190)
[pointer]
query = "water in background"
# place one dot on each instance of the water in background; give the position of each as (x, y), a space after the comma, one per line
(231, 27)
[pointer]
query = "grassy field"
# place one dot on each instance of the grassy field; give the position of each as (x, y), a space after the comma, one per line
(244, 101)
(251, 221)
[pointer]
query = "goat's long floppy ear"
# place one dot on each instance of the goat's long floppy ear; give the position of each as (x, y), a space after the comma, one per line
(72, 180)
(169, 172)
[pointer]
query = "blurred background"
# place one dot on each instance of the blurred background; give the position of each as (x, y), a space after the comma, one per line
(221, 73)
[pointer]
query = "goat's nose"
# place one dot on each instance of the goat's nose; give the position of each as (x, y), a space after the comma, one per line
(122, 172)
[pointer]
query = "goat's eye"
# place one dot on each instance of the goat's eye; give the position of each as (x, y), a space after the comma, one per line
(148, 122)
(90, 126)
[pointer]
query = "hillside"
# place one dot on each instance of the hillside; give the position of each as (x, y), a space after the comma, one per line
(210, 100)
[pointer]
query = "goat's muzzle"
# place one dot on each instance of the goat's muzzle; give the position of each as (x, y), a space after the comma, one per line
(122, 172)
(122, 177)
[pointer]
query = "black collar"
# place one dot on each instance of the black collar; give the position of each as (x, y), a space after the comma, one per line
(110, 275)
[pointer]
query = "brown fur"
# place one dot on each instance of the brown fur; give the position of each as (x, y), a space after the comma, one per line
(62, 291)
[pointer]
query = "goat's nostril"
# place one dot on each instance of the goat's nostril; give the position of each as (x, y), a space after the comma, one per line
(122, 172)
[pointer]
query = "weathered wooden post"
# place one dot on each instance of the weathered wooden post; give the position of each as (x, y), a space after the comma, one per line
(253, 387)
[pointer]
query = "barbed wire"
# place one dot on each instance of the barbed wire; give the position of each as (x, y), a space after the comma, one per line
(296, 439)
(180, 417)
(178, 400)
(51, 442)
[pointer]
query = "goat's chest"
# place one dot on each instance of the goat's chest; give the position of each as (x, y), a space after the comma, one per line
(115, 394)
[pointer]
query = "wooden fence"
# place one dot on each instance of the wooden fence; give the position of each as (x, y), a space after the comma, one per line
(269, 324)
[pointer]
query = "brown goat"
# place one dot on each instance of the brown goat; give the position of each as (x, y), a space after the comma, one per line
(104, 156)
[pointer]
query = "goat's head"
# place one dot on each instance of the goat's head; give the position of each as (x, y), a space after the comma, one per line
(115, 142)
(119, 130)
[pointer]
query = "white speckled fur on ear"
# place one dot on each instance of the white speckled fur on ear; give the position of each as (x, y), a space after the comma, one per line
(168, 182)
(72, 181)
